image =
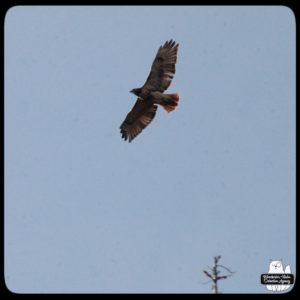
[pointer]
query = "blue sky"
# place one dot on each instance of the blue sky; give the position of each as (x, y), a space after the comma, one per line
(86, 211)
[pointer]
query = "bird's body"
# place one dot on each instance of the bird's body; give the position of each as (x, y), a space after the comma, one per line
(151, 93)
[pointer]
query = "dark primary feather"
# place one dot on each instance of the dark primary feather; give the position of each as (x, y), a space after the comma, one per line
(163, 67)
(137, 119)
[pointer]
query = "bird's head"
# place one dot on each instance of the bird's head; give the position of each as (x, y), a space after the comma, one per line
(136, 91)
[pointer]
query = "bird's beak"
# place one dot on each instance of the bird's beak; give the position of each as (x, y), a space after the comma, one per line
(131, 91)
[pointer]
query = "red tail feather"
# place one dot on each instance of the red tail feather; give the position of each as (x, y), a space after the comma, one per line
(174, 97)
(171, 102)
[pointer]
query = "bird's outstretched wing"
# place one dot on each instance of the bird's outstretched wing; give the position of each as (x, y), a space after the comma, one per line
(137, 119)
(163, 67)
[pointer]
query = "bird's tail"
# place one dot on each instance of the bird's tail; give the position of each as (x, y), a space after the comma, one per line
(169, 102)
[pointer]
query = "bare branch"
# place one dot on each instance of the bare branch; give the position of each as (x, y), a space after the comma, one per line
(222, 277)
(207, 274)
(206, 282)
(226, 269)
(214, 275)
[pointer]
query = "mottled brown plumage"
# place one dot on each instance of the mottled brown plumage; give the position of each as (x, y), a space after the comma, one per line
(151, 93)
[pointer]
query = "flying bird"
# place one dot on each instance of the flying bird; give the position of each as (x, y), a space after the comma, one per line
(152, 92)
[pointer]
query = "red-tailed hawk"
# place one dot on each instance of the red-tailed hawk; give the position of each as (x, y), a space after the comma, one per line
(151, 93)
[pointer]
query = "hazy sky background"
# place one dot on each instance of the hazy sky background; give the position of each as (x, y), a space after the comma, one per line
(86, 211)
